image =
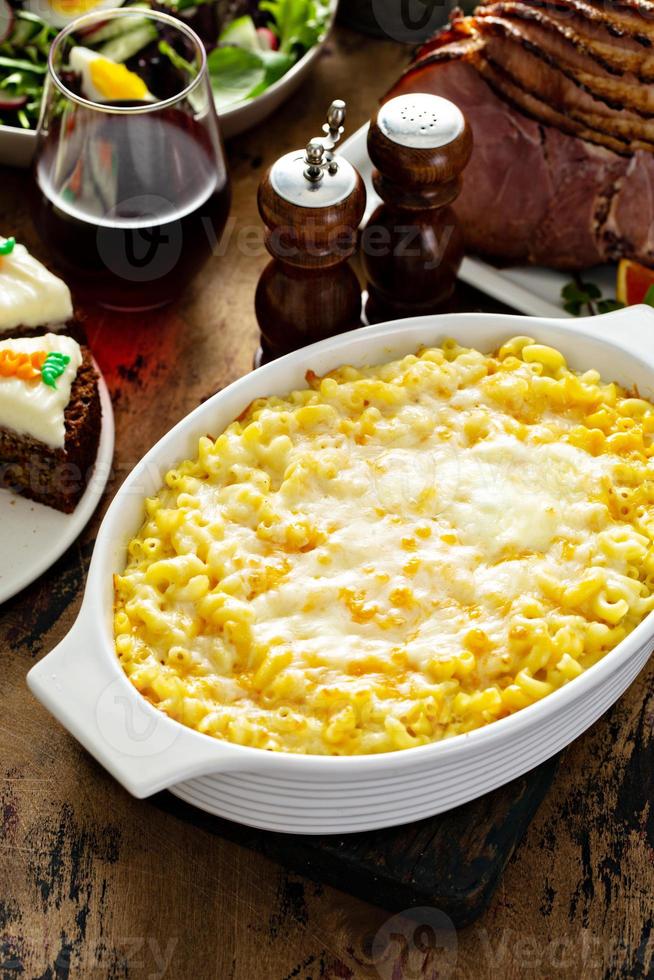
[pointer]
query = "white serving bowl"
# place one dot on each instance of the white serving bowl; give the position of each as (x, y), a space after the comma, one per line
(83, 685)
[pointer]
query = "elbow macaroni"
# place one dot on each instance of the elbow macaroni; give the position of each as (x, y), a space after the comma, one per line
(395, 555)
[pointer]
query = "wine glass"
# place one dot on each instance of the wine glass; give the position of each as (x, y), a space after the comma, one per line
(132, 191)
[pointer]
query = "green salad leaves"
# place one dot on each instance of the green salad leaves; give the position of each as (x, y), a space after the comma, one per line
(23, 64)
(244, 64)
(297, 23)
(246, 58)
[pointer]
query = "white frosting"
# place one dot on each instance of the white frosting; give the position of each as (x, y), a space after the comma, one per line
(30, 295)
(33, 408)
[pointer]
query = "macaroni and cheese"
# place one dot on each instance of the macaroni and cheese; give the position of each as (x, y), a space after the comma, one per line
(395, 555)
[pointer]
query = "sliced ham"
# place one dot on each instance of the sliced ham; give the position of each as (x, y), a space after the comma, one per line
(515, 94)
(634, 26)
(555, 91)
(624, 92)
(583, 178)
(523, 179)
(534, 71)
(629, 227)
(575, 41)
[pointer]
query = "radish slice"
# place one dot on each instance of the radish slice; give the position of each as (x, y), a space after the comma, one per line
(267, 40)
(9, 102)
(92, 28)
(6, 20)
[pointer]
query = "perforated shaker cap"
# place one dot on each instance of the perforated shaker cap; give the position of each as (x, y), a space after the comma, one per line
(420, 121)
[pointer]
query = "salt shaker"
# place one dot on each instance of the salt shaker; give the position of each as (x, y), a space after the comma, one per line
(312, 205)
(412, 245)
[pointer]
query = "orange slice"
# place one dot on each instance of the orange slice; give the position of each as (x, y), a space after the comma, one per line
(634, 282)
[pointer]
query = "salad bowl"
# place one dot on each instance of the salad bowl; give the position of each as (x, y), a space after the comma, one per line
(83, 685)
(18, 145)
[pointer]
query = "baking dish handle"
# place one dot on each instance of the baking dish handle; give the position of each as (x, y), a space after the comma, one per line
(632, 328)
(141, 747)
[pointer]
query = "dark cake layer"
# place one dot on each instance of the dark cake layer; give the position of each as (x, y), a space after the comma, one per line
(57, 477)
(71, 328)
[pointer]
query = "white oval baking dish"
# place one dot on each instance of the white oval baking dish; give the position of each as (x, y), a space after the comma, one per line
(83, 685)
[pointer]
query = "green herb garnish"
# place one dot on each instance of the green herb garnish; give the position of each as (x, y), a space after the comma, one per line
(585, 298)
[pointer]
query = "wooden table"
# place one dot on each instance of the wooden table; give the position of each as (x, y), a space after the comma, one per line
(96, 884)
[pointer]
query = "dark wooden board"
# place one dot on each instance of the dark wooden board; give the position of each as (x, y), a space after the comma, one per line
(452, 862)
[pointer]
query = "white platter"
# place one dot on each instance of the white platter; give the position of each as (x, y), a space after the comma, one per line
(529, 289)
(83, 685)
(35, 536)
(17, 146)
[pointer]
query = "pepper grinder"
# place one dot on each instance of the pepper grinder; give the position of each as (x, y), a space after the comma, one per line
(412, 245)
(312, 205)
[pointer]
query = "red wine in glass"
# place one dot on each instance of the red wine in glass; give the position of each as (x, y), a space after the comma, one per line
(131, 196)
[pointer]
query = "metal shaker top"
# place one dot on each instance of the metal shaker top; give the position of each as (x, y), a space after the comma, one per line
(420, 121)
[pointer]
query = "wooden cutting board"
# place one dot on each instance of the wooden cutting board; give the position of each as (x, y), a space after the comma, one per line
(452, 862)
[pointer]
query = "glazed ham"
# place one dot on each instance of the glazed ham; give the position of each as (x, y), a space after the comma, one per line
(560, 98)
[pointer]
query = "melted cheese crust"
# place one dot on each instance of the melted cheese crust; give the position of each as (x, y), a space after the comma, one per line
(396, 554)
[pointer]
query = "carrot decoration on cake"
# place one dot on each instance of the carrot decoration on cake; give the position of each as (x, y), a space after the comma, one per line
(7, 247)
(48, 366)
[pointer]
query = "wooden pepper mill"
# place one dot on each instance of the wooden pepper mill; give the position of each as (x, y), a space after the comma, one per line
(312, 205)
(412, 246)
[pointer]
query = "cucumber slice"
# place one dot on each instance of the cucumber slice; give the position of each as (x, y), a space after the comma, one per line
(126, 45)
(22, 32)
(116, 27)
(242, 34)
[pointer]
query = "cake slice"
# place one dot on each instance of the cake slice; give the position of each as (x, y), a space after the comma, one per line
(50, 418)
(33, 300)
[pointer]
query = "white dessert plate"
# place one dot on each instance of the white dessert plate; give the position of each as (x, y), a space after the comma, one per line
(17, 146)
(34, 536)
(530, 289)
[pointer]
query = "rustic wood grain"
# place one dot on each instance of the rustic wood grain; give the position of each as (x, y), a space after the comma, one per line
(96, 884)
(452, 862)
